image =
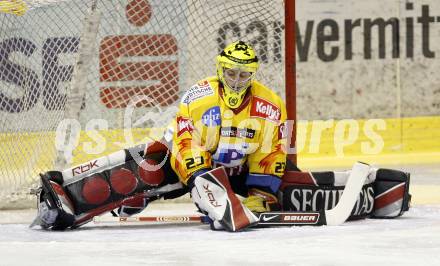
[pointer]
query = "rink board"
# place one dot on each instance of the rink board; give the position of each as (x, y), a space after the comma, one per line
(330, 143)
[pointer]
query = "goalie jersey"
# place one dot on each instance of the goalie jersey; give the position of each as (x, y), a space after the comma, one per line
(208, 134)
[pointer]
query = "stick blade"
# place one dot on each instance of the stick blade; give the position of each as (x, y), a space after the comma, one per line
(356, 180)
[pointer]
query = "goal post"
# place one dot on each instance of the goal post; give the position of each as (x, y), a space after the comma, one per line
(290, 72)
(71, 91)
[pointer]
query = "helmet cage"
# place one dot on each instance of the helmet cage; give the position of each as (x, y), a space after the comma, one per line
(237, 65)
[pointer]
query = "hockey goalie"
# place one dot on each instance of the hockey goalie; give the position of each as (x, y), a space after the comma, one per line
(227, 148)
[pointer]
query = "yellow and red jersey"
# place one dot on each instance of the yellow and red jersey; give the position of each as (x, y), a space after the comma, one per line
(207, 134)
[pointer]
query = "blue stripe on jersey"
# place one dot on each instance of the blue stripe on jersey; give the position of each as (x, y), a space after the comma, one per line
(269, 181)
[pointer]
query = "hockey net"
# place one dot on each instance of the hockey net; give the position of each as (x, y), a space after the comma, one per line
(80, 79)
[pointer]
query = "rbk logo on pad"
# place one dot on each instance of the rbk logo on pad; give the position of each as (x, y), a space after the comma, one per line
(84, 168)
(265, 109)
(210, 196)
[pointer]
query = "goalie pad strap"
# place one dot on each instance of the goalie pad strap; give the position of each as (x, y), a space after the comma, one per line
(64, 198)
(308, 178)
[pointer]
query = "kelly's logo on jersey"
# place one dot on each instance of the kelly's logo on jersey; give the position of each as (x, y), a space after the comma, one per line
(265, 109)
(212, 117)
(184, 125)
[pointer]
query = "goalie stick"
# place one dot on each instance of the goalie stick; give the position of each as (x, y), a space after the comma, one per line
(335, 216)
(265, 219)
(153, 219)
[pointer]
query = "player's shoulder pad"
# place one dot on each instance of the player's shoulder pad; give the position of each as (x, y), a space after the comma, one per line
(202, 89)
(266, 104)
(261, 90)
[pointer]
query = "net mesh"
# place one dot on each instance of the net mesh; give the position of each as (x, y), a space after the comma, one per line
(144, 56)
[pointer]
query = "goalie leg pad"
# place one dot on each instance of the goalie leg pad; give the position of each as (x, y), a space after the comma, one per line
(213, 194)
(392, 196)
(384, 195)
(116, 180)
(316, 191)
(118, 177)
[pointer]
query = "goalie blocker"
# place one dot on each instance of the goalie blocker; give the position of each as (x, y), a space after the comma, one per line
(213, 195)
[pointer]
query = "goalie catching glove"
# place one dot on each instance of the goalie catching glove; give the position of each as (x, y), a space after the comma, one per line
(260, 201)
(262, 193)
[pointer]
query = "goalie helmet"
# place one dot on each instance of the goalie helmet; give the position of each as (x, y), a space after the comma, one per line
(237, 65)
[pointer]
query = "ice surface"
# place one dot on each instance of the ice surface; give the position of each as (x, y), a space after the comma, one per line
(413, 239)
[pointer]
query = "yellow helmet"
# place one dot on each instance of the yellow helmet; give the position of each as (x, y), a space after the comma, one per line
(236, 68)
